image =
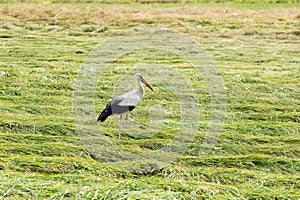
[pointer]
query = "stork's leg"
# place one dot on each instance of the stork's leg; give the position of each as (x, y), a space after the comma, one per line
(120, 126)
(133, 126)
(126, 118)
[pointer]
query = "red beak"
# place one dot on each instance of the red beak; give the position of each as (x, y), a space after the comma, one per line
(147, 84)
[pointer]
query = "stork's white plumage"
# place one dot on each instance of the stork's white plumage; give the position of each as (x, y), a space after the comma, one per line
(126, 102)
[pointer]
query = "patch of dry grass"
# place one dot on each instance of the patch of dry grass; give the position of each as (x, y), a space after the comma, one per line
(95, 14)
(256, 50)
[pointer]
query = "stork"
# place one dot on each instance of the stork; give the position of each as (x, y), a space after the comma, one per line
(126, 103)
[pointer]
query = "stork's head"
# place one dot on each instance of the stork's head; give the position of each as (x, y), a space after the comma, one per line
(139, 78)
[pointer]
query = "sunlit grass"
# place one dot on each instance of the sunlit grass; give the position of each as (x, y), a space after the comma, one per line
(255, 48)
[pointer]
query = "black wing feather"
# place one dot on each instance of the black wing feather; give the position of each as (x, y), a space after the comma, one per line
(105, 113)
(113, 108)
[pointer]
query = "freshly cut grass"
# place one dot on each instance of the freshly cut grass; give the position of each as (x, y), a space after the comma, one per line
(255, 48)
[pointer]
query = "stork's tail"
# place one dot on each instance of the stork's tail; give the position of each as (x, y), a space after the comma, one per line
(104, 114)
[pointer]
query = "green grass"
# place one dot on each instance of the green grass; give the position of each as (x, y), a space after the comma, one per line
(255, 48)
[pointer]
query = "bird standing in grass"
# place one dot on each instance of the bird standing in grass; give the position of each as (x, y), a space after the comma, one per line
(126, 103)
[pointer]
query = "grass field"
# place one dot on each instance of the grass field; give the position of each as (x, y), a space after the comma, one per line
(255, 48)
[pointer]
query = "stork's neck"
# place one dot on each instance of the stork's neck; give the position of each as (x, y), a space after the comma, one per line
(140, 88)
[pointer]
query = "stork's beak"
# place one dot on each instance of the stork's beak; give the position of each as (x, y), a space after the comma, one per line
(147, 84)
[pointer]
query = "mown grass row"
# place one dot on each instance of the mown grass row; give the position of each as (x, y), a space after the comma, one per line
(255, 51)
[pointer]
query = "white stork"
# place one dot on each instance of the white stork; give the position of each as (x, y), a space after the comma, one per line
(126, 102)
